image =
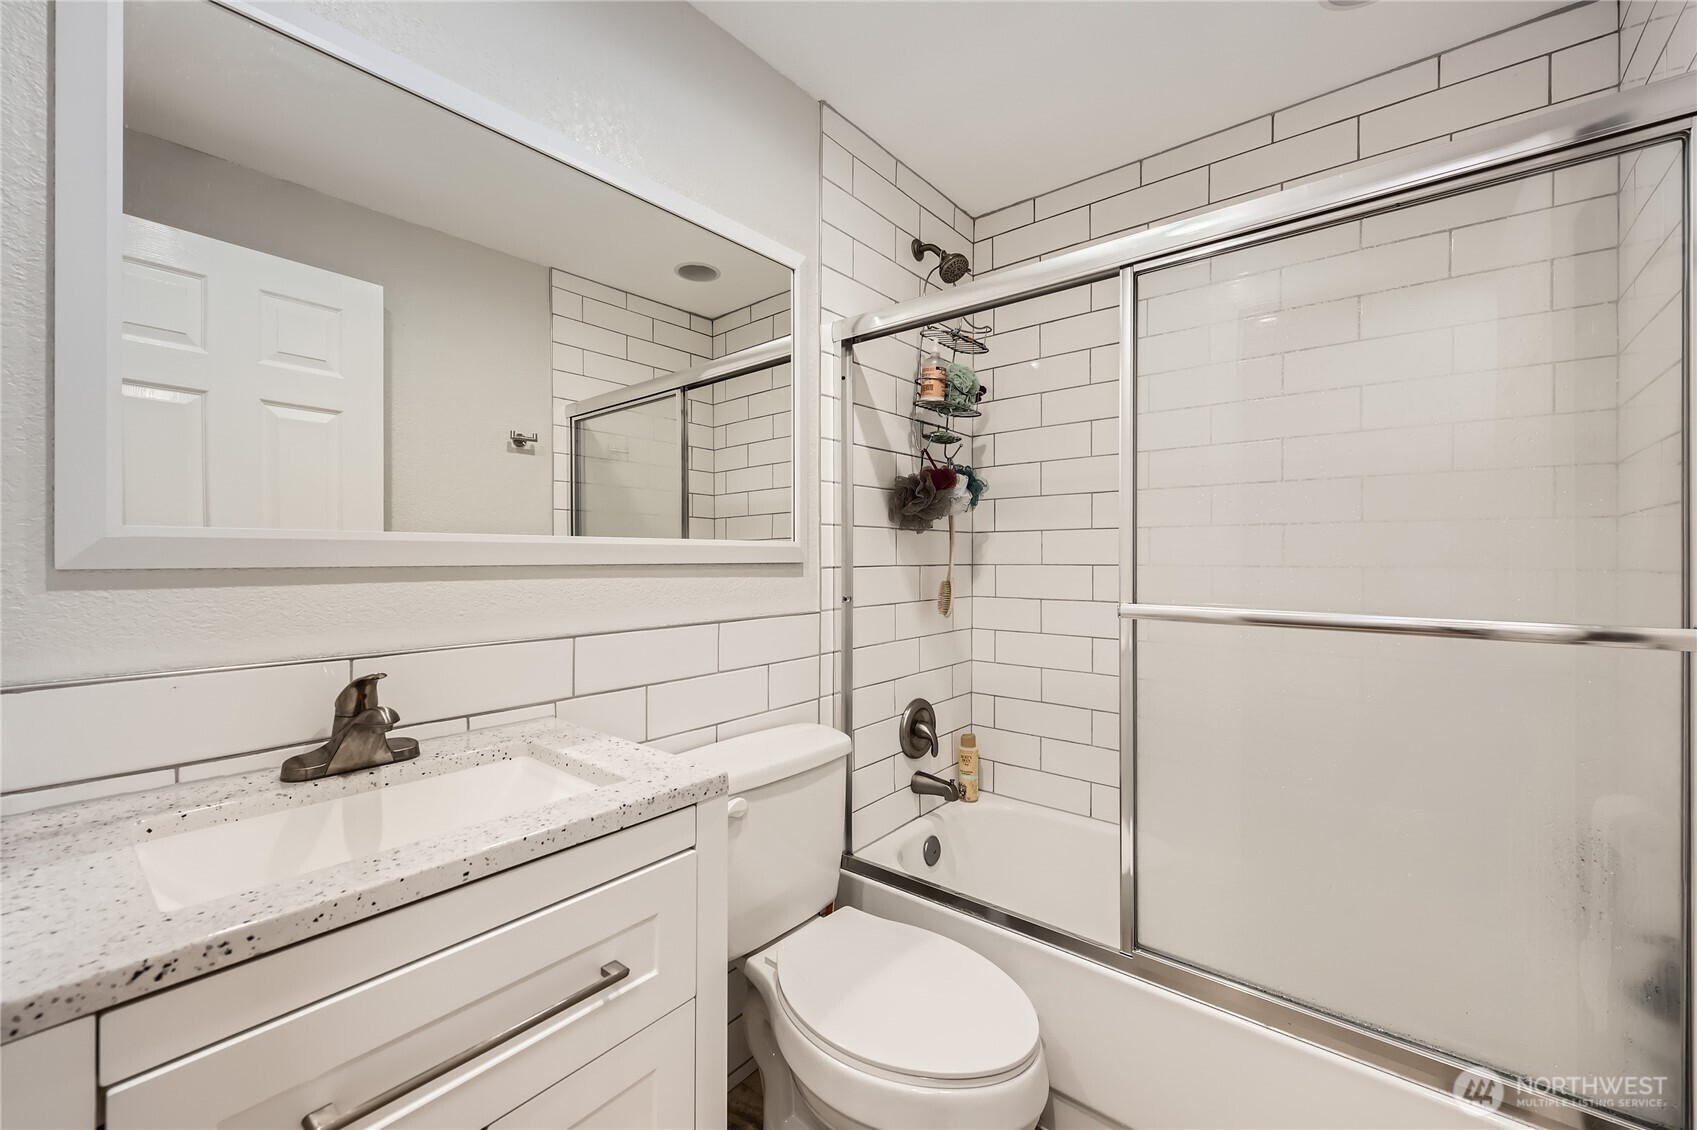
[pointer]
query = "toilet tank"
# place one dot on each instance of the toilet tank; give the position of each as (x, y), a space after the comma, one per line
(786, 826)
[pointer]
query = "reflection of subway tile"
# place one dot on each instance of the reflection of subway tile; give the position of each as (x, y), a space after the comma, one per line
(583, 286)
(1451, 108)
(569, 331)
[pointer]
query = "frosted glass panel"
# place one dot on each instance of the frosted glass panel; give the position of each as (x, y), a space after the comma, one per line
(629, 464)
(1466, 408)
(1475, 846)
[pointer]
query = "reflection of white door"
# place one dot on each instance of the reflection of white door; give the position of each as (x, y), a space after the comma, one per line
(252, 388)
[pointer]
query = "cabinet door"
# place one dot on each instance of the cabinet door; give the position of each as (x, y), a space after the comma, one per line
(646, 1082)
(47, 1080)
(360, 1043)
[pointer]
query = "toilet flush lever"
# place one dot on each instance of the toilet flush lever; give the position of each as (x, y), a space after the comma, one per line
(738, 808)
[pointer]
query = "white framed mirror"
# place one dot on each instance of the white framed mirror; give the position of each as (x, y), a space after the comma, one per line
(317, 306)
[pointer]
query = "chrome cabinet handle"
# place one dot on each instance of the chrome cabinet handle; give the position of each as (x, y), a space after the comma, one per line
(327, 1117)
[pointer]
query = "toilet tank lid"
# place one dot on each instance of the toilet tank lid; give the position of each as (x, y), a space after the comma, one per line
(765, 756)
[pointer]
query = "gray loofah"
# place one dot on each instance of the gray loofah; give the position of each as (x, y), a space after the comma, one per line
(915, 503)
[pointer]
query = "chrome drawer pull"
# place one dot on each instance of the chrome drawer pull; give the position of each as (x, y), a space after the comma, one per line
(327, 1118)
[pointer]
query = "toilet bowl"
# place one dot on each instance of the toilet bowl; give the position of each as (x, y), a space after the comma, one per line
(857, 1022)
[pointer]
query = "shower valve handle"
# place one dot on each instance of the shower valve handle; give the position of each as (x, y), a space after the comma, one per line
(919, 729)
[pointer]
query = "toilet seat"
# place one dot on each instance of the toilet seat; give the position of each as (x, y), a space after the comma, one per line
(903, 1003)
(826, 1070)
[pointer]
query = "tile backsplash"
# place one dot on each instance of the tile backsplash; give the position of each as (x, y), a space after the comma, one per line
(676, 688)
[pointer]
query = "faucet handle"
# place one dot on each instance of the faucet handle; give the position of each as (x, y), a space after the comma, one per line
(359, 695)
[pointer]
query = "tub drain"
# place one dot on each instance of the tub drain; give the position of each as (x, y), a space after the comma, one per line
(933, 850)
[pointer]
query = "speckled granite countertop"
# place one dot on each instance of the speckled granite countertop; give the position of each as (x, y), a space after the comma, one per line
(82, 931)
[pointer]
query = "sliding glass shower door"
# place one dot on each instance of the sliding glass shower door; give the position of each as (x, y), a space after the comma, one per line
(1469, 408)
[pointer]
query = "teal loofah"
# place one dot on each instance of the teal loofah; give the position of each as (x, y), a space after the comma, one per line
(975, 485)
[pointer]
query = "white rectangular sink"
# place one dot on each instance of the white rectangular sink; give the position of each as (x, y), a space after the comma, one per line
(244, 855)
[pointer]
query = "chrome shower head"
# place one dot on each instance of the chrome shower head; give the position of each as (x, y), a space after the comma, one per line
(952, 266)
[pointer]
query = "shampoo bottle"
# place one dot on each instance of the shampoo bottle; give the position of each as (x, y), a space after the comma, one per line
(933, 380)
(966, 765)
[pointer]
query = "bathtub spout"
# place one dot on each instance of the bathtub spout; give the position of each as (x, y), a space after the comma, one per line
(929, 784)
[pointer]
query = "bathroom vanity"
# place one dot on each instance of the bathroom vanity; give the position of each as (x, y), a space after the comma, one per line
(523, 927)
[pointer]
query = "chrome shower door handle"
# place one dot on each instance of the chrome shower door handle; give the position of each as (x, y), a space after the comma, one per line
(327, 1117)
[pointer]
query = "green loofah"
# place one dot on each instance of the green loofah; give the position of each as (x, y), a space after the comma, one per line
(961, 382)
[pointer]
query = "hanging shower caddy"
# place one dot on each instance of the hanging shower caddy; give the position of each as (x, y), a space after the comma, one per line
(945, 391)
(961, 337)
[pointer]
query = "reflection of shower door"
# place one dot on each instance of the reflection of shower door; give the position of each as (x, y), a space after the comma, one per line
(252, 388)
(628, 470)
(1471, 408)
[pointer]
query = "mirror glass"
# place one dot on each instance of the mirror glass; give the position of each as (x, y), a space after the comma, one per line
(347, 308)
(629, 458)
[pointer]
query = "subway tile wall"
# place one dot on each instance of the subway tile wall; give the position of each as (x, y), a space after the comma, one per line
(752, 325)
(1488, 81)
(1408, 414)
(674, 688)
(739, 438)
(1045, 550)
(1045, 555)
(741, 451)
(751, 447)
(873, 207)
(1658, 39)
(607, 339)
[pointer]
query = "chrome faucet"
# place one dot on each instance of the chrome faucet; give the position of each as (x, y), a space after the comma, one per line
(358, 737)
(929, 784)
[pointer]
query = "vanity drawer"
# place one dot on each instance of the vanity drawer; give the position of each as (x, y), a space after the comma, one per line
(647, 1081)
(365, 1040)
(163, 1026)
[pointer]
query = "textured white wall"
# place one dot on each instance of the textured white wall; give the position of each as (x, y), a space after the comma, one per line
(656, 87)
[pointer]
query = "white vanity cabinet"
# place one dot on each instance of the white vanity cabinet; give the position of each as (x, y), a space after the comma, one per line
(628, 928)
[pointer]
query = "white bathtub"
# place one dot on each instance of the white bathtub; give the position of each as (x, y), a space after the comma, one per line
(1121, 1051)
(1039, 863)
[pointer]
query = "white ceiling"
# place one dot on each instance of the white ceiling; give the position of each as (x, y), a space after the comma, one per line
(995, 102)
(205, 78)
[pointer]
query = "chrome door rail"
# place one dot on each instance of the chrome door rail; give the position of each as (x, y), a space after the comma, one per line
(1509, 631)
(1559, 128)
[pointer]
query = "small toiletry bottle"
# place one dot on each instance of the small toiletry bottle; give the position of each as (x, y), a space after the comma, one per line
(933, 379)
(966, 765)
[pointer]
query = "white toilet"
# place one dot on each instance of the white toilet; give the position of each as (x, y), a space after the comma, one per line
(856, 1022)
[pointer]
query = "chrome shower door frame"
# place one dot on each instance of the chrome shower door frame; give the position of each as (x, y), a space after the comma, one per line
(1613, 123)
